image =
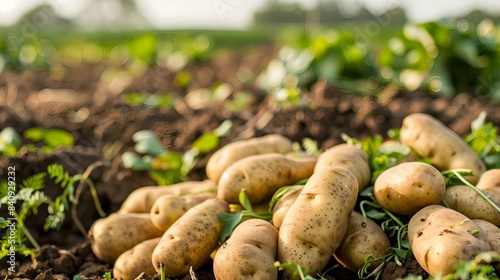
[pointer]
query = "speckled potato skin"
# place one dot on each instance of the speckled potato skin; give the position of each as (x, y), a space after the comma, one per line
(349, 156)
(317, 221)
(447, 150)
(409, 187)
(441, 237)
(232, 152)
(283, 205)
(363, 237)
(191, 239)
(490, 181)
(262, 175)
(168, 208)
(142, 199)
(112, 236)
(468, 202)
(249, 253)
(135, 261)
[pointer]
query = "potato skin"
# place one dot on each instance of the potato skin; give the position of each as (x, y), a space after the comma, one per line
(232, 152)
(363, 237)
(249, 253)
(262, 175)
(135, 261)
(408, 187)
(468, 202)
(112, 236)
(349, 156)
(432, 139)
(142, 199)
(490, 181)
(191, 239)
(283, 205)
(168, 208)
(316, 222)
(491, 232)
(441, 237)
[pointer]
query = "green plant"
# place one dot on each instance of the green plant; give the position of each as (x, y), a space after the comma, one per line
(31, 197)
(169, 167)
(10, 141)
(50, 138)
(485, 141)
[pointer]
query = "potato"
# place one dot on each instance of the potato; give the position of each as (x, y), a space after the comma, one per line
(408, 187)
(142, 199)
(491, 232)
(317, 221)
(249, 253)
(112, 236)
(168, 208)
(441, 237)
(432, 139)
(349, 156)
(468, 202)
(135, 261)
(283, 204)
(232, 152)
(191, 239)
(490, 181)
(261, 175)
(363, 237)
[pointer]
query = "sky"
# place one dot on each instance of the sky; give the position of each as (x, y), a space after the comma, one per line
(237, 14)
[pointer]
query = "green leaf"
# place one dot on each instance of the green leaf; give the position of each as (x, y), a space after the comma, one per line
(147, 143)
(206, 142)
(34, 133)
(231, 221)
(10, 136)
(244, 201)
(133, 161)
(143, 47)
(57, 137)
(224, 128)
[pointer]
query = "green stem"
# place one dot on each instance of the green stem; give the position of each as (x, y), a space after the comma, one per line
(30, 237)
(478, 191)
(95, 197)
(389, 213)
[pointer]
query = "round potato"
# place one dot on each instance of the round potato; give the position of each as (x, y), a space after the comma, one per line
(262, 175)
(349, 156)
(249, 253)
(490, 181)
(363, 237)
(168, 208)
(112, 236)
(316, 222)
(430, 138)
(468, 202)
(135, 261)
(190, 240)
(283, 205)
(491, 232)
(441, 237)
(409, 187)
(233, 152)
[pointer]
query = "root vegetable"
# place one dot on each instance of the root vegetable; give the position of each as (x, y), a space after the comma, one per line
(135, 261)
(283, 205)
(490, 181)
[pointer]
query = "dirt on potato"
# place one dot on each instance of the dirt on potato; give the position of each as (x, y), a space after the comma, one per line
(78, 100)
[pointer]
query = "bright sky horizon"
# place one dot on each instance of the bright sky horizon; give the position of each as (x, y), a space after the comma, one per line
(235, 14)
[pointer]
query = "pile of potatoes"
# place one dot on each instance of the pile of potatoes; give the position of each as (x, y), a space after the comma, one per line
(176, 228)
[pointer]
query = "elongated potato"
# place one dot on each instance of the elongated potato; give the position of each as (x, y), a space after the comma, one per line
(349, 156)
(363, 237)
(249, 253)
(191, 239)
(409, 187)
(135, 261)
(283, 205)
(316, 222)
(142, 199)
(432, 139)
(468, 202)
(490, 181)
(168, 208)
(441, 237)
(112, 236)
(232, 152)
(261, 175)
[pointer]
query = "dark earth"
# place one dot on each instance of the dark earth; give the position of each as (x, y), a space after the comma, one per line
(41, 98)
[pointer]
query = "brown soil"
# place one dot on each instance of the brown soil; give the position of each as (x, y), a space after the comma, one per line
(38, 98)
